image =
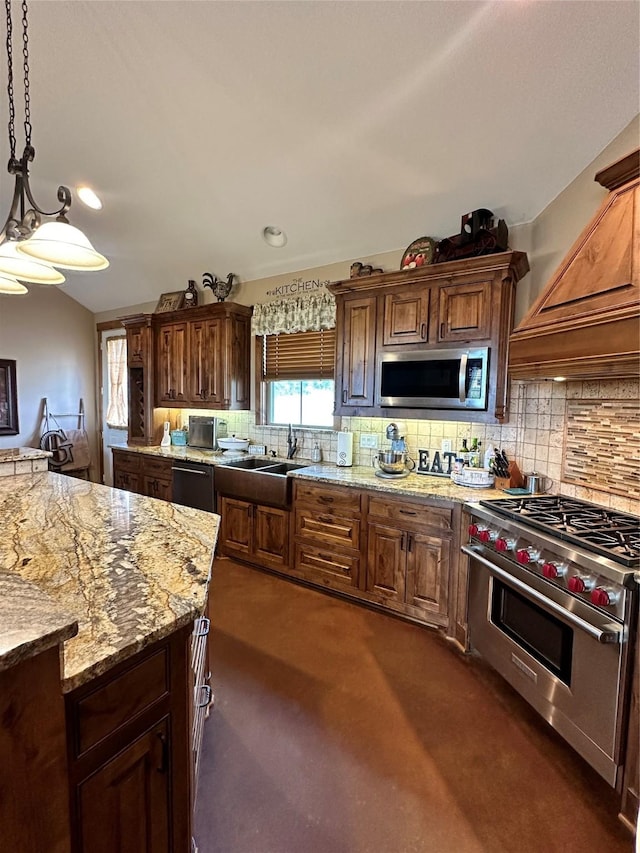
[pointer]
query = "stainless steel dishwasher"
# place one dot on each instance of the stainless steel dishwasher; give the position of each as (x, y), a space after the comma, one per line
(193, 485)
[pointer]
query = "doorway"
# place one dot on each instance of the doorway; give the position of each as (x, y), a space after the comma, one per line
(113, 397)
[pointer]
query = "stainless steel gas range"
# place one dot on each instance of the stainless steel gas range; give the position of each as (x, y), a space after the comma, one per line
(552, 604)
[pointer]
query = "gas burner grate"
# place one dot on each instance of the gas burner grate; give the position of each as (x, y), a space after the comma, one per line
(607, 532)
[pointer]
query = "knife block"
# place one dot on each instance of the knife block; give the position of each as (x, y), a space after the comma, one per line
(515, 480)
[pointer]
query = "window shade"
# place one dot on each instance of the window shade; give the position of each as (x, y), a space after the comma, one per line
(302, 355)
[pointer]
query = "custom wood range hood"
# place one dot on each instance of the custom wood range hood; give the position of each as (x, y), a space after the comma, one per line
(586, 322)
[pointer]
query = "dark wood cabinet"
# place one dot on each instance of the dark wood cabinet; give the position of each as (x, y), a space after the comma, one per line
(145, 475)
(145, 423)
(171, 361)
(327, 535)
(206, 343)
(130, 762)
(355, 354)
(125, 804)
(254, 533)
(406, 316)
(449, 305)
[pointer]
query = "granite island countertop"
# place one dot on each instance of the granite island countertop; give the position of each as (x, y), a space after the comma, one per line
(128, 568)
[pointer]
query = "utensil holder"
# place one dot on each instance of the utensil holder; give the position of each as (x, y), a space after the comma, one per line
(515, 480)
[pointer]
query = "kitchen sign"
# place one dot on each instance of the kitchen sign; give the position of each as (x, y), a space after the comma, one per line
(298, 285)
(438, 464)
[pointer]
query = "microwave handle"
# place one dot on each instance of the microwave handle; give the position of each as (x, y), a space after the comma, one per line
(462, 378)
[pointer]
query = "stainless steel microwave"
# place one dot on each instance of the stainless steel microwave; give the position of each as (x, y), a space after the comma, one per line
(433, 379)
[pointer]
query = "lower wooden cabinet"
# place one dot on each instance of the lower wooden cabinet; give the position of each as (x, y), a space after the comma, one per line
(254, 533)
(142, 474)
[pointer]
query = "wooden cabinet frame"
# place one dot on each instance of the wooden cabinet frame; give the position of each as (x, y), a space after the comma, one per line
(459, 303)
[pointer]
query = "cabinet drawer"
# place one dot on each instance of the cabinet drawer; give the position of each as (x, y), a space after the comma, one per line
(324, 566)
(121, 699)
(126, 461)
(157, 467)
(340, 500)
(329, 527)
(408, 512)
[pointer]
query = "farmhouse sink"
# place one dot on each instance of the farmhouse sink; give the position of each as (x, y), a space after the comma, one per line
(260, 481)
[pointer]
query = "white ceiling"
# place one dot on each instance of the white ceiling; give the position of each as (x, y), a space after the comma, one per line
(355, 126)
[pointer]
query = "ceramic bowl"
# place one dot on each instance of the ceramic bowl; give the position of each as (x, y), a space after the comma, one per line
(233, 443)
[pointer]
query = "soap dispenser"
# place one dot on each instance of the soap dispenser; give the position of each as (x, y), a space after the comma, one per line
(316, 454)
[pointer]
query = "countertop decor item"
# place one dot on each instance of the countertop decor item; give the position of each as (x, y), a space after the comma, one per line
(191, 295)
(220, 288)
(170, 302)
(30, 247)
(418, 254)
(233, 444)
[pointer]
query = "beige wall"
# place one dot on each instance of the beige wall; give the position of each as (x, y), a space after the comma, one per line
(52, 339)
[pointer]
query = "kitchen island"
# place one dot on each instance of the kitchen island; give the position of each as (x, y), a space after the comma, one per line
(133, 573)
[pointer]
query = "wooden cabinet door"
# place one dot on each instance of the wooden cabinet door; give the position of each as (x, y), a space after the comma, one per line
(206, 361)
(156, 487)
(236, 527)
(271, 536)
(137, 345)
(427, 579)
(124, 806)
(358, 351)
(126, 480)
(386, 562)
(238, 366)
(406, 316)
(172, 365)
(465, 311)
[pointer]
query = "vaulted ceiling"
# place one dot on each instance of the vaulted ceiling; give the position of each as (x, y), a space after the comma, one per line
(354, 126)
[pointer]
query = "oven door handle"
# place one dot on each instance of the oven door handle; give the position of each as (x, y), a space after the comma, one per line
(613, 634)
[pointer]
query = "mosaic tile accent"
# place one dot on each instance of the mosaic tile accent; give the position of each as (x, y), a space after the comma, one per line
(602, 446)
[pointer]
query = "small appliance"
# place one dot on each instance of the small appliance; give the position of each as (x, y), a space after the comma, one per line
(204, 431)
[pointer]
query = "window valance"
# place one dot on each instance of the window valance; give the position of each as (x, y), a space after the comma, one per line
(308, 313)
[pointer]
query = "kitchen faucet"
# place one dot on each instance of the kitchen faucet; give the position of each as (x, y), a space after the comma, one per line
(292, 443)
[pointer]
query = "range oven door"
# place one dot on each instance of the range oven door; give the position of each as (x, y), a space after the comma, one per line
(565, 658)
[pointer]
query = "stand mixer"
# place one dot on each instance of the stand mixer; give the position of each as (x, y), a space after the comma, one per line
(394, 463)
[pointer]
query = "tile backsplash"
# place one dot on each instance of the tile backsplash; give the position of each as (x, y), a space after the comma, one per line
(541, 436)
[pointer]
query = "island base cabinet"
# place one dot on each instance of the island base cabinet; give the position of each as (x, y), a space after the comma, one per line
(124, 806)
(129, 753)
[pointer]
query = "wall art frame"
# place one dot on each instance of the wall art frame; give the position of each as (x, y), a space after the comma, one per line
(170, 302)
(8, 398)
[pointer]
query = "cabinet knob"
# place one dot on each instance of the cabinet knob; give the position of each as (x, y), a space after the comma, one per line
(164, 753)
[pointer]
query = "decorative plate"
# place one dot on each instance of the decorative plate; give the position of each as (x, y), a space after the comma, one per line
(418, 254)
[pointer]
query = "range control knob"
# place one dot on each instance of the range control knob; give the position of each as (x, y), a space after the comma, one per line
(580, 584)
(553, 570)
(602, 597)
(504, 544)
(485, 535)
(473, 529)
(527, 555)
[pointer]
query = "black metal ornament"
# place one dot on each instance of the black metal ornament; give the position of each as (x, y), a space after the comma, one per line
(220, 288)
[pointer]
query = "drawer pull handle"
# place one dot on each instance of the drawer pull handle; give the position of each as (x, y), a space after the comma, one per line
(408, 512)
(208, 693)
(203, 628)
(325, 519)
(326, 557)
(325, 499)
(423, 331)
(164, 753)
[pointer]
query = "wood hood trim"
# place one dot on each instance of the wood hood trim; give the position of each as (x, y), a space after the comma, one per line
(586, 322)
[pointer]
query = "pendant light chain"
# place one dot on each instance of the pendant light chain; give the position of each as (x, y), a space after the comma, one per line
(12, 109)
(25, 65)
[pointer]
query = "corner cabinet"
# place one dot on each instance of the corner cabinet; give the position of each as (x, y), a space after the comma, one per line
(459, 303)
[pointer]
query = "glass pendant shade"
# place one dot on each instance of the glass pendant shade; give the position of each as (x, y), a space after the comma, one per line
(19, 265)
(63, 245)
(11, 285)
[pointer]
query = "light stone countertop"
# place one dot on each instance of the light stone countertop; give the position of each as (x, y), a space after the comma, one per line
(128, 568)
(22, 454)
(358, 476)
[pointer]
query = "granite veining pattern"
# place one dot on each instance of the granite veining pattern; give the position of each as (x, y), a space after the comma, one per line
(130, 569)
(30, 623)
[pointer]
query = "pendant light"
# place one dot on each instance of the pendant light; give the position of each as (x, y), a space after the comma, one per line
(30, 249)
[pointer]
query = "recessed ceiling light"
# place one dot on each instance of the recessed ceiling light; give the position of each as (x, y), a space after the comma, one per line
(87, 196)
(274, 236)
(559, 378)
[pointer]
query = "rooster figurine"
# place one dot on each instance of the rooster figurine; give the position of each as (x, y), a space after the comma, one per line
(220, 288)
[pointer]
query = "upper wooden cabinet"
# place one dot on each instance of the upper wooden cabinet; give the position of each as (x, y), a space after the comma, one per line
(467, 303)
(195, 358)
